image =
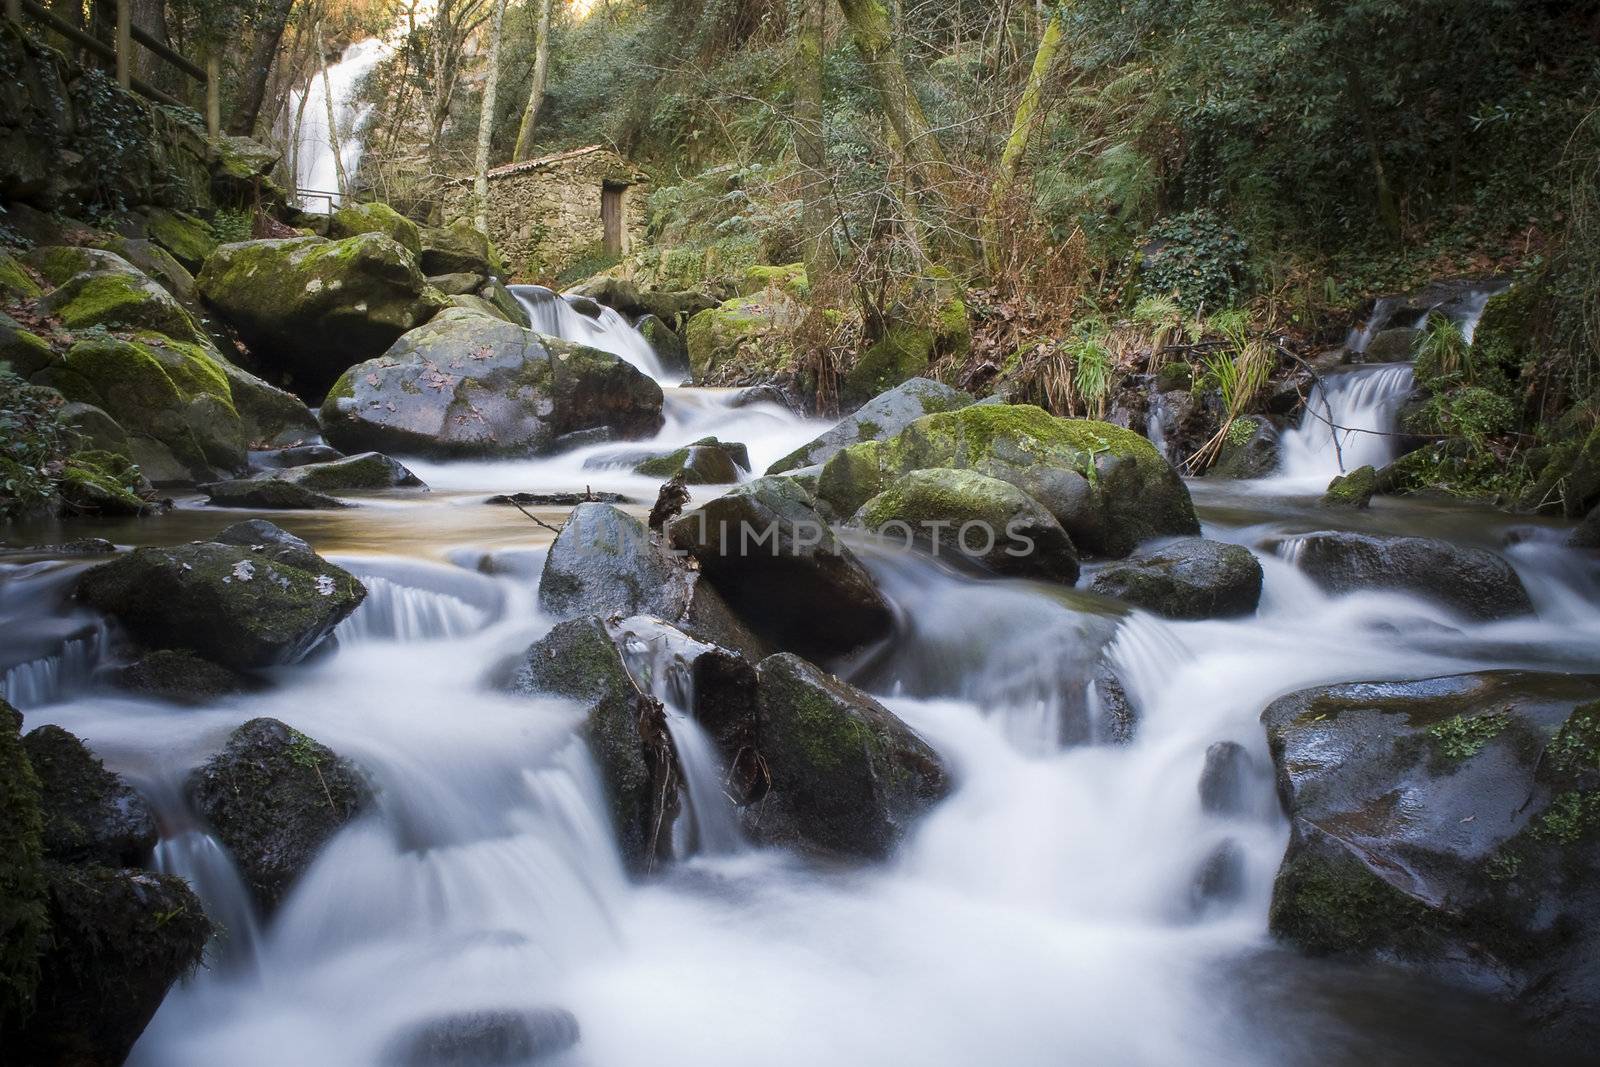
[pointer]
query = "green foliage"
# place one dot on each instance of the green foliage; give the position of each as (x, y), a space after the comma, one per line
(34, 446)
(1091, 370)
(1463, 736)
(1443, 351)
(1198, 259)
(1471, 412)
(113, 136)
(232, 225)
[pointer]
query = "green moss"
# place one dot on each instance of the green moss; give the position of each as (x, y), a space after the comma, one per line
(1571, 817)
(789, 279)
(1353, 490)
(1335, 904)
(1241, 430)
(1576, 746)
(1464, 736)
(188, 238)
(26, 353)
(14, 280)
(356, 219)
(115, 298)
(102, 483)
(904, 352)
(23, 921)
(744, 338)
(1174, 377)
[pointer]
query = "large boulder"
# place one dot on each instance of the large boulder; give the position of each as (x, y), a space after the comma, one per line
(90, 815)
(274, 796)
(1108, 487)
(625, 730)
(964, 515)
(1190, 578)
(120, 299)
(313, 307)
(847, 777)
(23, 920)
(469, 385)
(1474, 582)
(1452, 826)
(188, 238)
(353, 220)
(455, 249)
(118, 941)
(877, 420)
(243, 606)
(774, 559)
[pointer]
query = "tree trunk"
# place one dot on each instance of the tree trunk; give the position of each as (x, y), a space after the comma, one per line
(1388, 209)
(541, 73)
(1017, 142)
(333, 121)
(263, 51)
(810, 148)
(491, 87)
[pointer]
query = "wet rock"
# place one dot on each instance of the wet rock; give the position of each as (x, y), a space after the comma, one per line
(705, 462)
(467, 385)
(259, 533)
(1353, 490)
(878, 419)
(118, 941)
(783, 571)
(962, 515)
(298, 456)
(847, 776)
(89, 814)
(238, 606)
(1451, 826)
(1587, 535)
(180, 677)
(1191, 578)
(364, 471)
(274, 796)
(1106, 486)
(455, 249)
(504, 303)
(267, 493)
(606, 562)
(557, 500)
(1251, 450)
(1395, 345)
(484, 1039)
(1231, 780)
(1118, 718)
(313, 307)
(1220, 879)
(767, 394)
(625, 730)
(1473, 582)
(23, 920)
(668, 346)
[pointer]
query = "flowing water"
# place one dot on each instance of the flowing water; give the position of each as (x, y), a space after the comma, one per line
(313, 149)
(1049, 911)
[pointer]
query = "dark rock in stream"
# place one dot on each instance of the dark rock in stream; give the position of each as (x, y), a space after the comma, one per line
(1191, 578)
(364, 471)
(274, 796)
(847, 776)
(1587, 535)
(23, 921)
(298, 456)
(1471, 581)
(557, 500)
(1231, 780)
(271, 493)
(181, 677)
(492, 1038)
(242, 606)
(1220, 879)
(1251, 450)
(89, 814)
(1451, 826)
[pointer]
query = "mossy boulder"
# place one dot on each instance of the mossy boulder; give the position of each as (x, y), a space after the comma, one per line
(902, 353)
(120, 299)
(1451, 826)
(878, 419)
(23, 920)
(707, 461)
(118, 941)
(743, 340)
(668, 346)
(103, 483)
(1353, 490)
(268, 492)
(1395, 345)
(1108, 487)
(960, 515)
(89, 814)
(312, 307)
(1190, 578)
(1251, 450)
(275, 797)
(1568, 480)
(789, 279)
(15, 282)
(241, 606)
(625, 730)
(180, 677)
(468, 385)
(173, 400)
(359, 473)
(57, 264)
(24, 351)
(1473, 582)
(765, 548)
(456, 249)
(188, 238)
(847, 776)
(353, 220)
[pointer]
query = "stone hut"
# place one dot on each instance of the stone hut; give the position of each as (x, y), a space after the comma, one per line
(565, 215)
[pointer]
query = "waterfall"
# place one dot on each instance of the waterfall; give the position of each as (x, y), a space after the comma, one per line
(1153, 424)
(313, 155)
(48, 678)
(202, 861)
(550, 314)
(394, 612)
(1348, 422)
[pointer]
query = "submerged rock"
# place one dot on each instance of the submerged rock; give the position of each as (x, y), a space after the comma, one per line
(784, 572)
(367, 470)
(963, 515)
(240, 606)
(118, 941)
(1452, 826)
(492, 1038)
(847, 776)
(1471, 581)
(89, 814)
(878, 419)
(468, 385)
(1108, 487)
(1191, 578)
(274, 796)
(272, 493)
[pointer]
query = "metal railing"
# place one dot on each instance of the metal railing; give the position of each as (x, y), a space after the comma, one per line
(121, 54)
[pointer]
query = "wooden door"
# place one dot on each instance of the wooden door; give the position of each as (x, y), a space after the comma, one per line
(611, 218)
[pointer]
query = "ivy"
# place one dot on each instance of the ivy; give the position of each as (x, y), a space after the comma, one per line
(1198, 259)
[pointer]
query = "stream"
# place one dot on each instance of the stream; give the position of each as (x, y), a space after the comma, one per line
(1046, 912)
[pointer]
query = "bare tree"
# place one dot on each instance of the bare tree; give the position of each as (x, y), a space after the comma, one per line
(1017, 143)
(265, 37)
(541, 74)
(810, 148)
(453, 24)
(491, 87)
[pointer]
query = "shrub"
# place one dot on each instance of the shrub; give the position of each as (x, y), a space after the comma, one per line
(1198, 259)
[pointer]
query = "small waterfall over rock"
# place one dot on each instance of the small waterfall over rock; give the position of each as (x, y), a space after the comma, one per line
(49, 678)
(551, 314)
(201, 860)
(313, 151)
(1348, 422)
(394, 612)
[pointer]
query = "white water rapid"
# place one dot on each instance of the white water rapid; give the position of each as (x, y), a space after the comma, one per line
(606, 330)
(313, 149)
(1070, 901)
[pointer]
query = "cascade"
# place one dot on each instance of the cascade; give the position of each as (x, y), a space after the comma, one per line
(608, 331)
(314, 165)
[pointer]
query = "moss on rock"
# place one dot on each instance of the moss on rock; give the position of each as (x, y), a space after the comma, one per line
(1352, 490)
(120, 299)
(352, 220)
(188, 238)
(15, 281)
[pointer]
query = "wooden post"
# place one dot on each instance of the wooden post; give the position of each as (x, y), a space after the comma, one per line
(213, 93)
(125, 43)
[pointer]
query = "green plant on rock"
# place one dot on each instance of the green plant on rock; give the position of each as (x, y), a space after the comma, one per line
(231, 225)
(1463, 736)
(1238, 370)
(1198, 259)
(32, 446)
(1443, 351)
